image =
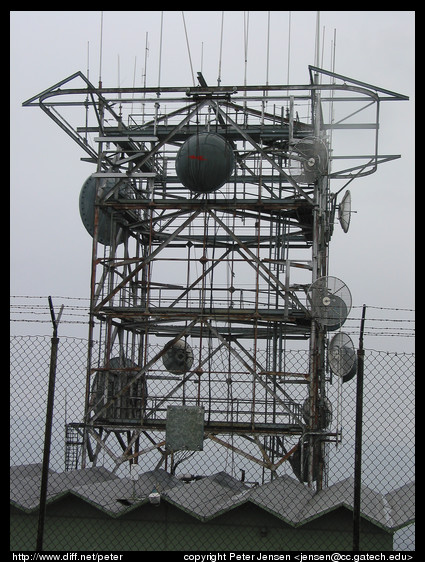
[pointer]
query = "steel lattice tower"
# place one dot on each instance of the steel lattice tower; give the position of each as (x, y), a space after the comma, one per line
(197, 295)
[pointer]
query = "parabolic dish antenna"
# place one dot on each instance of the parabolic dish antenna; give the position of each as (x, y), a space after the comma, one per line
(301, 469)
(330, 301)
(308, 160)
(179, 358)
(342, 356)
(114, 379)
(344, 211)
(87, 201)
(324, 417)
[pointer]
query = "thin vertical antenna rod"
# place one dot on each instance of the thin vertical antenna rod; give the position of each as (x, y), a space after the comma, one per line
(202, 56)
(87, 98)
(268, 47)
(289, 47)
(323, 47)
(119, 84)
(160, 51)
(144, 77)
(221, 48)
(88, 60)
(331, 105)
(146, 61)
(134, 82)
(334, 52)
(245, 41)
(100, 50)
(317, 47)
(188, 50)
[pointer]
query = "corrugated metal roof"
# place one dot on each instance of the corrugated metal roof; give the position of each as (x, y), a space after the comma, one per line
(208, 497)
(285, 497)
(401, 503)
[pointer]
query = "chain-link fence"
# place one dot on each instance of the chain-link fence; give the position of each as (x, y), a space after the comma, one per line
(218, 495)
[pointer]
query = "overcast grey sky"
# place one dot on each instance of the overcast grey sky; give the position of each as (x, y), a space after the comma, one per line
(50, 248)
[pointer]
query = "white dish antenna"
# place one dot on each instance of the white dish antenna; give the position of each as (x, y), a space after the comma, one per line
(342, 356)
(344, 211)
(330, 301)
(308, 160)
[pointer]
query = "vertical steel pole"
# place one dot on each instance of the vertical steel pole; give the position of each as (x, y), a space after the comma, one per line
(92, 286)
(48, 428)
(358, 439)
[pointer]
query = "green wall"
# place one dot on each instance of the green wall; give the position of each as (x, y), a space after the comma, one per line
(72, 524)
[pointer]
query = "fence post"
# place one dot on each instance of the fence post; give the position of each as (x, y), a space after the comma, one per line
(48, 427)
(358, 439)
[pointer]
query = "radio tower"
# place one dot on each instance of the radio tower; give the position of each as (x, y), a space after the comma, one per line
(211, 213)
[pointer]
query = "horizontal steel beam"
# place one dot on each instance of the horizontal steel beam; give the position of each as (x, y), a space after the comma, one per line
(225, 428)
(255, 204)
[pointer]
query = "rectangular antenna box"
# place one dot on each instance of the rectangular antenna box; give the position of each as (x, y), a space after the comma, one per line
(184, 430)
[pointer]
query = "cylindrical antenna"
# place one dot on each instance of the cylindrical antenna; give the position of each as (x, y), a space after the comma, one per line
(221, 47)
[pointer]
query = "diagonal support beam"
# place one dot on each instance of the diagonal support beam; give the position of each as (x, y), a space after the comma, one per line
(143, 370)
(255, 374)
(261, 462)
(264, 155)
(182, 382)
(148, 259)
(157, 147)
(268, 274)
(102, 442)
(203, 274)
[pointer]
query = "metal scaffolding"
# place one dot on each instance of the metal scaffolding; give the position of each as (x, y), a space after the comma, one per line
(222, 278)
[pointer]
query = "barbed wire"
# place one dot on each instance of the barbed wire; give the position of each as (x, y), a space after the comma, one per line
(32, 312)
